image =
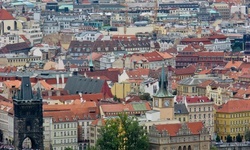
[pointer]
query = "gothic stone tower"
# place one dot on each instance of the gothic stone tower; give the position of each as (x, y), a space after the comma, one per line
(163, 100)
(28, 117)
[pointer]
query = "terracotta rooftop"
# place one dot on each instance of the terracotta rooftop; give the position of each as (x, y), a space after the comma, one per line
(173, 129)
(193, 99)
(191, 69)
(12, 83)
(233, 106)
(5, 15)
(235, 64)
(205, 83)
(189, 48)
(138, 73)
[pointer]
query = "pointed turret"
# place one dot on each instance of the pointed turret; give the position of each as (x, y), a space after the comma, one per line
(163, 84)
(23, 10)
(25, 92)
(91, 66)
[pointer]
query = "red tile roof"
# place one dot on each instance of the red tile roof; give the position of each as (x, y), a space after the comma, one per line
(211, 54)
(193, 99)
(235, 64)
(138, 73)
(157, 56)
(5, 15)
(173, 129)
(189, 48)
(233, 106)
(189, 70)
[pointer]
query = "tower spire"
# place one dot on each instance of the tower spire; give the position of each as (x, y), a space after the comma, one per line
(91, 66)
(163, 84)
(25, 92)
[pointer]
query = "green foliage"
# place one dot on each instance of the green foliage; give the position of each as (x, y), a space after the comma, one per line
(218, 138)
(145, 96)
(238, 138)
(229, 138)
(213, 148)
(91, 148)
(68, 148)
(117, 99)
(123, 133)
(247, 135)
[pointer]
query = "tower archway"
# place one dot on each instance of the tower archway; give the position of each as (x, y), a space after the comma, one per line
(27, 143)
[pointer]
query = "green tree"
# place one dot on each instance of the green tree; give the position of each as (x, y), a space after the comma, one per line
(218, 138)
(117, 99)
(213, 148)
(238, 138)
(247, 135)
(122, 133)
(91, 148)
(145, 96)
(68, 148)
(229, 138)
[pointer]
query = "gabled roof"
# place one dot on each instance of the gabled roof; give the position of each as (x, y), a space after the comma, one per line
(180, 109)
(189, 48)
(235, 64)
(138, 73)
(78, 84)
(153, 56)
(45, 85)
(5, 15)
(11, 83)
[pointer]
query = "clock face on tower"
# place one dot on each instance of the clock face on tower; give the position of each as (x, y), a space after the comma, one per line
(166, 103)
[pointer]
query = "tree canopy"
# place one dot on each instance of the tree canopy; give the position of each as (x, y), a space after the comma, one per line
(122, 133)
(217, 138)
(229, 139)
(247, 135)
(238, 138)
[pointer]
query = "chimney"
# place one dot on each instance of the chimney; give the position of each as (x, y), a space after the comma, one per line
(57, 80)
(62, 80)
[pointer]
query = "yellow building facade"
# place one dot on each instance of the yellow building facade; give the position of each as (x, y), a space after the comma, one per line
(121, 90)
(232, 118)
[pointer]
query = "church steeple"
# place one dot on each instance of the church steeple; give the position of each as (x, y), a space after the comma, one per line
(163, 85)
(91, 66)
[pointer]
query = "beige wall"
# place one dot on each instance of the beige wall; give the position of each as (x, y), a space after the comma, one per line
(202, 111)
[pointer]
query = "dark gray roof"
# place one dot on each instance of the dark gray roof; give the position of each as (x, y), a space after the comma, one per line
(79, 84)
(180, 109)
(25, 92)
(75, 61)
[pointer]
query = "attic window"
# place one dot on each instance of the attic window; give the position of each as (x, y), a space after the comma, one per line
(27, 85)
